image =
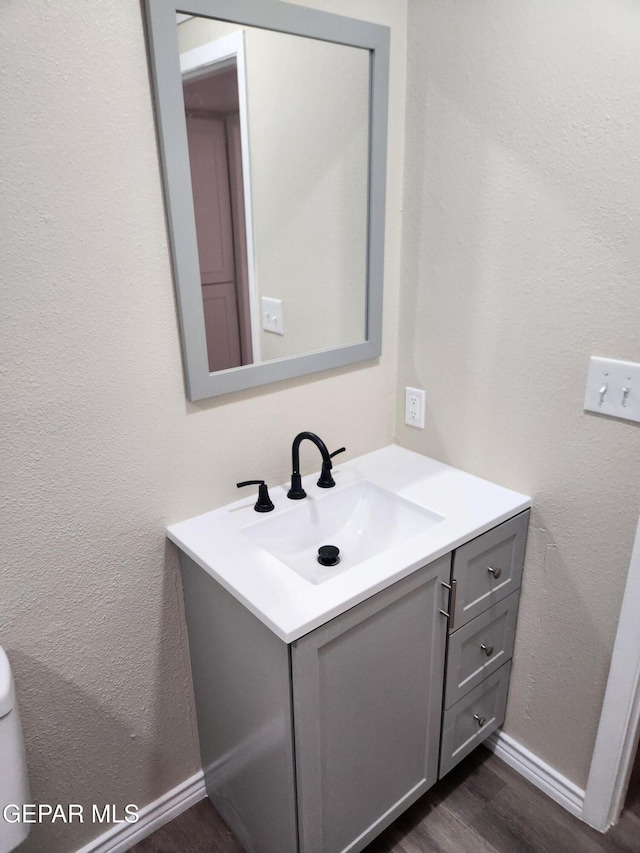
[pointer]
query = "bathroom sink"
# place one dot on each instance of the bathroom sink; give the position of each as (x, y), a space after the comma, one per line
(362, 520)
(391, 512)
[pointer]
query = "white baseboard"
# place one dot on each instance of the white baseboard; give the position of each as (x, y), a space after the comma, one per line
(536, 771)
(122, 837)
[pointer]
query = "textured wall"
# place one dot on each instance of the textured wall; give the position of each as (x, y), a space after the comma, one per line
(522, 259)
(99, 448)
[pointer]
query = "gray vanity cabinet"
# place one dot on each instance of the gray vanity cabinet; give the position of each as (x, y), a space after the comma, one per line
(317, 745)
(367, 696)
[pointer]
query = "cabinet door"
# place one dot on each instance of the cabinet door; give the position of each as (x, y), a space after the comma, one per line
(367, 696)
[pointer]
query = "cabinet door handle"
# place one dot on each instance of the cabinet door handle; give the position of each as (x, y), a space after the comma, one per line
(495, 572)
(446, 586)
(452, 587)
(452, 602)
(488, 650)
(480, 720)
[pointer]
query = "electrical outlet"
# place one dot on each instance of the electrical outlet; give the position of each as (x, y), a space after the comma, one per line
(414, 407)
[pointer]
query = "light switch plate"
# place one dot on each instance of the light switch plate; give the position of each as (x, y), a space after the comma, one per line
(613, 388)
(272, 320)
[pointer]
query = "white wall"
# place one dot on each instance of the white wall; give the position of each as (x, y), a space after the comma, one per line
(100, 449)
(522, 259)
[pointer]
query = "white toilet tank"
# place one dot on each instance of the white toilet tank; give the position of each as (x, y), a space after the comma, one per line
(14, 784)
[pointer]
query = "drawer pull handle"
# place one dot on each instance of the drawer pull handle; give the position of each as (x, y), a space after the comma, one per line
(495, 572)
(488, 650)
(481, 720)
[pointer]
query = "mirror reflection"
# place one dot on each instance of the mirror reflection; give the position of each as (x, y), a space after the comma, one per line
(278, 137)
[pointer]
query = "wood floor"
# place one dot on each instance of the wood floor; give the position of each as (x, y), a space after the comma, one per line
(482, 806)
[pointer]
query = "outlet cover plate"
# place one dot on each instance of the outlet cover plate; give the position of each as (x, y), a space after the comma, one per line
(613, 388)
(414, 407)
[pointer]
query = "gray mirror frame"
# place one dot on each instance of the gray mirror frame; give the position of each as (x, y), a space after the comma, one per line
(169, 105)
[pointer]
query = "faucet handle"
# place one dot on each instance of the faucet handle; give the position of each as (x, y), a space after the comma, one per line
(326, 480)
(264, 502)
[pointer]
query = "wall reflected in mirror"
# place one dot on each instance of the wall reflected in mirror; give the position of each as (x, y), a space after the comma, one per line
(278, 134)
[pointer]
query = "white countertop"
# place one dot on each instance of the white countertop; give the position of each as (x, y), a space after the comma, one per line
(292, 606)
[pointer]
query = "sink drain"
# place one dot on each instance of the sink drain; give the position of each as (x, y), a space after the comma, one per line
(328, 555)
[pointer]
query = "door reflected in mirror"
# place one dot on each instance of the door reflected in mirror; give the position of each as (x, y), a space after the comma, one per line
(278, 138)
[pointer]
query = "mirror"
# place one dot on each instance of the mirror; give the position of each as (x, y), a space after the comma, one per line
(272, 124)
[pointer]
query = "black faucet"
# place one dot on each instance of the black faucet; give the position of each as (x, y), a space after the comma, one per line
(326, 481)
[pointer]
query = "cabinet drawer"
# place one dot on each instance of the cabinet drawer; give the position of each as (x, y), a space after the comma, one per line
(480, 647)
(488, 568)
(467, 723)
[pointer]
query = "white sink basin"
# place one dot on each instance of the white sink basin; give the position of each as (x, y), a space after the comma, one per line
(361, 519)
